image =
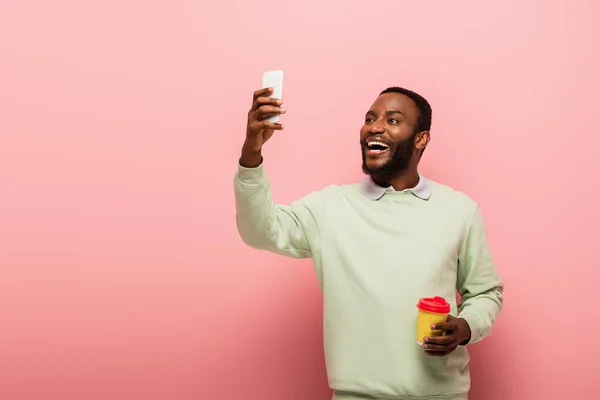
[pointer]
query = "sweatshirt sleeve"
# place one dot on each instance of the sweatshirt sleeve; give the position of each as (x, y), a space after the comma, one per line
(478, 283)
(291, 230)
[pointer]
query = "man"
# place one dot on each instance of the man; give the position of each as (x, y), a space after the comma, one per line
(378, 246)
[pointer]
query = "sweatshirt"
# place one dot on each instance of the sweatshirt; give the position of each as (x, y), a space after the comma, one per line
(376, 252)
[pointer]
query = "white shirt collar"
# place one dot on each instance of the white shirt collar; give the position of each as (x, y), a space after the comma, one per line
(374, 192)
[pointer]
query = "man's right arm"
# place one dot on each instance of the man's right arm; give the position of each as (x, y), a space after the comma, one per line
(293, 230)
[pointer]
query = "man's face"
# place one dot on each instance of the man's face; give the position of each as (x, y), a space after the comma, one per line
(388, 136)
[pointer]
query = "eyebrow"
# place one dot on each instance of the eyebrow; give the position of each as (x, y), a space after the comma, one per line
(389, 112)
(394, 112)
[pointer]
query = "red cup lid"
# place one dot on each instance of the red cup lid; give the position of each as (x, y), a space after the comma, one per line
(434, 304)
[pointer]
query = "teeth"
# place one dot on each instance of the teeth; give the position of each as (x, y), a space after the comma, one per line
(371, 144)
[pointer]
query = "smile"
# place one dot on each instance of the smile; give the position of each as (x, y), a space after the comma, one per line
(376, 148)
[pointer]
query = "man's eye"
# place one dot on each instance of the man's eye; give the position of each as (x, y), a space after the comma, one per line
(368, 120)
(393, 121)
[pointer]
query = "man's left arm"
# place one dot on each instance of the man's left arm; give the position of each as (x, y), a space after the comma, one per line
(478, 282)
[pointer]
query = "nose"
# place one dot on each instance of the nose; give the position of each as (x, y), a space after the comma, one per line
(376, 127)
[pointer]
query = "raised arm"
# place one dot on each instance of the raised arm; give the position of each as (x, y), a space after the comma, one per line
(292, 230)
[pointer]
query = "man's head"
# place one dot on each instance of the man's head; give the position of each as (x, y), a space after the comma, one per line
(395, 133)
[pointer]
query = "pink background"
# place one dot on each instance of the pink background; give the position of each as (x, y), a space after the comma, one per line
(122, 275)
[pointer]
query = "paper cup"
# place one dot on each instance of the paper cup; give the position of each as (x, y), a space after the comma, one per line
(431, 311)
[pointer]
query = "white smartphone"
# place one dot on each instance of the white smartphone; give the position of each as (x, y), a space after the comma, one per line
(274, 79)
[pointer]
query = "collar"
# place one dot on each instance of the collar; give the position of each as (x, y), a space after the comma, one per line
(374, 192)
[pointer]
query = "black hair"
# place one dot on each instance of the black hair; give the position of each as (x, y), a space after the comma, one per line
(424, 120)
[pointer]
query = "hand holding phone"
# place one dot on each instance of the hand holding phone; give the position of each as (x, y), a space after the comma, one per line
(273, 79)
(263, 118)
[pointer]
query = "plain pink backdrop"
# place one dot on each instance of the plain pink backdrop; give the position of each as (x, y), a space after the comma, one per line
(121, 272)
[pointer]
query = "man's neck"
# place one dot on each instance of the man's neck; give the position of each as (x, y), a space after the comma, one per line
(406, 180)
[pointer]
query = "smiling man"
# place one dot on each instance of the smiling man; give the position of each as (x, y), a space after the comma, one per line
(378, 246)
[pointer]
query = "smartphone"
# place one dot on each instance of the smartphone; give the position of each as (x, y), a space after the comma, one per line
(274, 79)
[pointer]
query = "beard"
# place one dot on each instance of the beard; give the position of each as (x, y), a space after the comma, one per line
(395, 165)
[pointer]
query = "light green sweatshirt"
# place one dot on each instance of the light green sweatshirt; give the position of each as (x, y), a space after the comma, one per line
(374, 258)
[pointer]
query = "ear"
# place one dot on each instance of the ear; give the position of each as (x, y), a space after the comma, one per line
(422, 140)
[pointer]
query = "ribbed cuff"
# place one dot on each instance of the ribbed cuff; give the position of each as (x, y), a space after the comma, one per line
(475, 326)
(251, 176)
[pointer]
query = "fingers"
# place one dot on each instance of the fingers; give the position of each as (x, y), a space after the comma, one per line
(261, 93)
(267, 111)
(440, 345)
(258, 126)
(450, 326)
(445, 327)
(435, 347)
(440, 340)
(261, 98)
(265, 102)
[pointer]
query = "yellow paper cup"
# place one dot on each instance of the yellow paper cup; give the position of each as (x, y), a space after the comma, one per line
(431, 311)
